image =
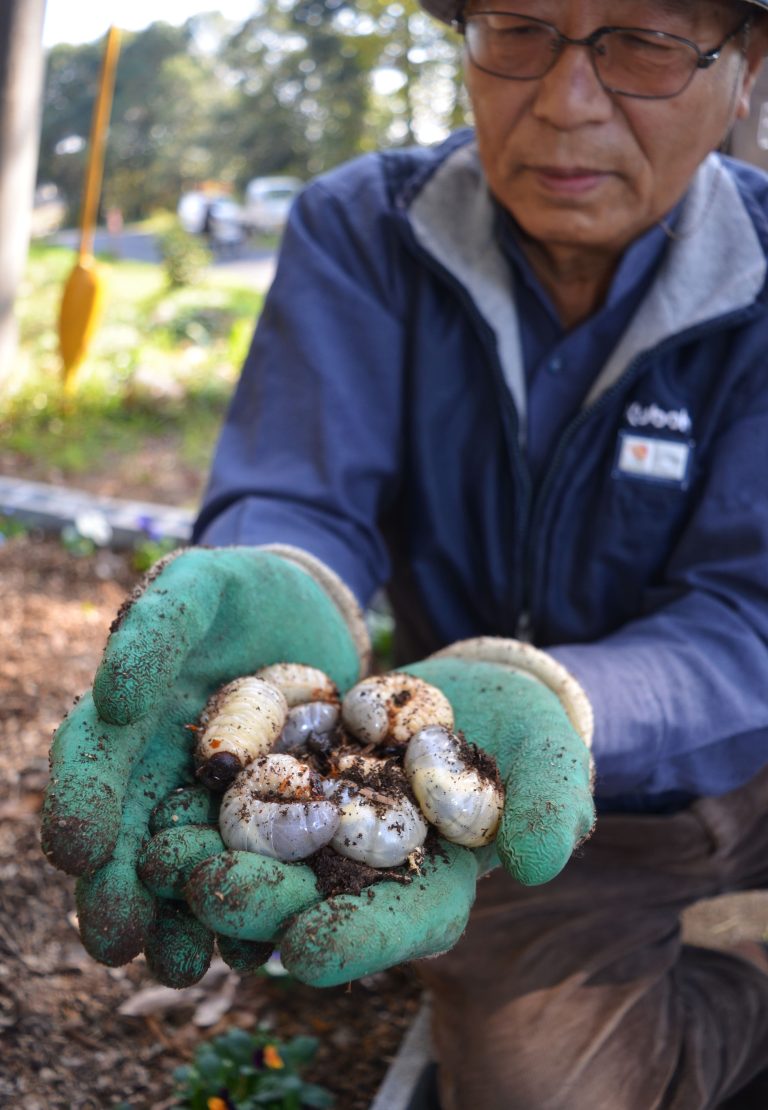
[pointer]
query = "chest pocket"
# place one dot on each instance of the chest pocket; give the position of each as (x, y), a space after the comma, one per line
(620, 544)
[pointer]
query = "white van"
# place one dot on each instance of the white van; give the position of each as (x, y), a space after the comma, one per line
(267, 203)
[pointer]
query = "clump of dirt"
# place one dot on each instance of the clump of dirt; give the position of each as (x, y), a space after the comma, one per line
(473, 757)
(336, 874)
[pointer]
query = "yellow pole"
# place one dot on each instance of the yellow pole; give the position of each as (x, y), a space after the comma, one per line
(83, 297)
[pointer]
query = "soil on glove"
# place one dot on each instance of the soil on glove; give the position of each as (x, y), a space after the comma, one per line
(64, 1042)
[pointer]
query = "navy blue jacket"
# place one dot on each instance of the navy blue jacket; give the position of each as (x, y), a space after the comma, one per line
(379, 424)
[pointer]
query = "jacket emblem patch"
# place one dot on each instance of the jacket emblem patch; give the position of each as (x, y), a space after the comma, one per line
(653, 458)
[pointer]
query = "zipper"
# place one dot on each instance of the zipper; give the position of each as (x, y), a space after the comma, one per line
(514, 434)
(524, 627)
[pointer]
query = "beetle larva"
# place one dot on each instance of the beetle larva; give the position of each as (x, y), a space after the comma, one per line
(457, 787)
(313, 704)
(315, 720)
(300, 683)
(277, 807)
(386, 710)
(240, 722)
(379, 824)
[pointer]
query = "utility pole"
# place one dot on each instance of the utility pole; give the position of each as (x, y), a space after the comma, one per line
(21, 86)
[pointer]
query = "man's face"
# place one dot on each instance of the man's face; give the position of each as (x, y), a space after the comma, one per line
(579, 167)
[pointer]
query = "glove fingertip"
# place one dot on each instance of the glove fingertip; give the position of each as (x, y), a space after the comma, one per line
(168, 859)
(249, 896)
(114, 914)
(179, 948)
(74, 839)
(536, 841)
(83, 802)
(246, 957)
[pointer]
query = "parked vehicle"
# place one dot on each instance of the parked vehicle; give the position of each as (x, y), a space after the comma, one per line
(195, 210)
(267, 203)
(225, 227)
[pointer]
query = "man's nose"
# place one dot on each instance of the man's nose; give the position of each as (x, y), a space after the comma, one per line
(571, 95)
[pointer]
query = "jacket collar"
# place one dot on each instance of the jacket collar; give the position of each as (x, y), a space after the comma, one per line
(715, 266)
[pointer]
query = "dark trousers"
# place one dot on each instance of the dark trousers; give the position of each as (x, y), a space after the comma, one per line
(579, 994)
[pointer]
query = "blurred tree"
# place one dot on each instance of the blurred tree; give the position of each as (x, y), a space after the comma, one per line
(71, 81)
(299, 87)
(319, 81)
(166, 92)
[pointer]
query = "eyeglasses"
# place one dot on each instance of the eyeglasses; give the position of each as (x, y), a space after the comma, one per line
(628, 61)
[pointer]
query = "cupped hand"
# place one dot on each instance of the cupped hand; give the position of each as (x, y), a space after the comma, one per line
(201, 619)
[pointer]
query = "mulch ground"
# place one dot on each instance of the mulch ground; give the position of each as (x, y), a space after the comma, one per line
(74, 1034)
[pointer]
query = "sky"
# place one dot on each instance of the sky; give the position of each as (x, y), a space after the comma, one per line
(82, 21)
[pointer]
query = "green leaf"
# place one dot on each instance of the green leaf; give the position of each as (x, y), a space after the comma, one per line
(300, 1051)
(312, 1095)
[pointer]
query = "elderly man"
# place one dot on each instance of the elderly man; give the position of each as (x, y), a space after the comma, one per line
(519, 378)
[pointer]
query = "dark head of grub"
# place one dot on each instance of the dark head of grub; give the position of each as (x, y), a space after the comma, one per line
(218, 772)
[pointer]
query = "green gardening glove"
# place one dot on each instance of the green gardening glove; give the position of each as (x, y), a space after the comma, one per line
(202, 618)
(516, 703)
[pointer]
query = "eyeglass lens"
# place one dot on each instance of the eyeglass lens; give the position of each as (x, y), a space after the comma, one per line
(627, 60)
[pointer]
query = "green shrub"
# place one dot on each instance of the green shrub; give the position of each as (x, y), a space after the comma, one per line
(185, 257)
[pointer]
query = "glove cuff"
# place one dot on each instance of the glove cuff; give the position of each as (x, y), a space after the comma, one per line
(337, 590)
(535, 664)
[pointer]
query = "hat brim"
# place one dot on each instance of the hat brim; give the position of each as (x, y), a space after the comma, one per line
(447, 10)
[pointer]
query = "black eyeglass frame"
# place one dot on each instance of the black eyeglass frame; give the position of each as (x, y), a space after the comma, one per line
(705, 58)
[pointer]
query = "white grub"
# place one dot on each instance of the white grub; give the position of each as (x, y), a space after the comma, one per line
(240, 722)
(276, 807)
(387, 710)
(300, 683)
(462, 803)
(376, 827)
(318, 719)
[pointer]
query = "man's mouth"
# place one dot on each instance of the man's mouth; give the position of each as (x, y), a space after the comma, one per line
(570, 180)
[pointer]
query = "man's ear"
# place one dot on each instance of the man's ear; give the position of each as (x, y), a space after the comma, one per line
(754, 56)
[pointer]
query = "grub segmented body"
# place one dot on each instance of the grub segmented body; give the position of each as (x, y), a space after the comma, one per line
(314, 721)
(378, 826)
(387, 710)
(241, 722)
(300, 683)
(462, 800)
(276, 807)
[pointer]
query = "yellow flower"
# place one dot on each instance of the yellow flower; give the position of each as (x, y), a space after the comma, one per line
(216, 1104)
(272, 1057)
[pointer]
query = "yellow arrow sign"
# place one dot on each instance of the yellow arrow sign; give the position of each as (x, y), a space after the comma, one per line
(83, 297)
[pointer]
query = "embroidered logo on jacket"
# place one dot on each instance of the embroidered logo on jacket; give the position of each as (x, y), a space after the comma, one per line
(643, 416)
(654, 458)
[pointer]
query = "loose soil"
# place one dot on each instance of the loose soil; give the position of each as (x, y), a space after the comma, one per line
(76, 1035)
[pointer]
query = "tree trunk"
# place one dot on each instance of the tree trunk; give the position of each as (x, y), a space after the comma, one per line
(21, 83)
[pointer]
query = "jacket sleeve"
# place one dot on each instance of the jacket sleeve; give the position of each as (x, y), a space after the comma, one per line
(681, 694)
(308, 453)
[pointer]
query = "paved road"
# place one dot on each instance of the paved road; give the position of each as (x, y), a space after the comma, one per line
(248, 264)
